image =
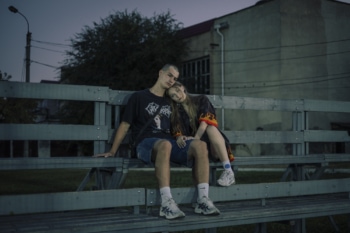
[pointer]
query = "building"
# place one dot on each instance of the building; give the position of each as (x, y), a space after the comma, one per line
(288, 49)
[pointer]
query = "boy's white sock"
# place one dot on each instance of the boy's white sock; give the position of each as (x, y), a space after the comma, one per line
(203, 190)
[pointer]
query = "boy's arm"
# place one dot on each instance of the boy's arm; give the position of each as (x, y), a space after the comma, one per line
(119, 136)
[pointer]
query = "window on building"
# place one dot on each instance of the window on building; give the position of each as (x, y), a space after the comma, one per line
(196, 75)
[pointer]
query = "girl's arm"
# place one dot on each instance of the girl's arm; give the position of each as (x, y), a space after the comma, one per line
(201, 129)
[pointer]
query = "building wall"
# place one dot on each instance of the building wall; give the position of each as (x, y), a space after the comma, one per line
(281, 49)
(251, 51)
(337, 30)
(289, 49)
(199, 46)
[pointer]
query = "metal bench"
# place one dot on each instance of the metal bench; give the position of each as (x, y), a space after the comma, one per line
(263, 202)
(107, 210)
(296, 167)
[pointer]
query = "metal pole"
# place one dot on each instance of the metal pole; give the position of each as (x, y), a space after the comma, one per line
(29, 35)
(28, 40)
(222, 76)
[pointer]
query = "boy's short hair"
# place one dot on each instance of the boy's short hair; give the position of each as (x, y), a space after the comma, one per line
(167, 66)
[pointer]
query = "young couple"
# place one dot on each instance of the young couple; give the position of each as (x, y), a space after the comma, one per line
(156, 145)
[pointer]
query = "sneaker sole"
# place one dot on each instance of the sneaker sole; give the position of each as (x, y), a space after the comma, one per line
(215, 212)
(226, 185)
(171, 218)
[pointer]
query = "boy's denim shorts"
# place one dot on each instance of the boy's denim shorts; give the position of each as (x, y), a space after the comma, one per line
(178, 155)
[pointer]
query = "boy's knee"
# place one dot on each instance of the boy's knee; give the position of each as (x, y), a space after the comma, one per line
(163, 146)
(161, 151)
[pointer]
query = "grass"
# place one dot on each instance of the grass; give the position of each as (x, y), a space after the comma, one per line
(63, 180)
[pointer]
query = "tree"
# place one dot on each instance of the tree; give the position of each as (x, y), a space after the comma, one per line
(124, 51)
(16, 110)
(5, 76)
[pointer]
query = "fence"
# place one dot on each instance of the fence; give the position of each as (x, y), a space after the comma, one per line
(107, 108)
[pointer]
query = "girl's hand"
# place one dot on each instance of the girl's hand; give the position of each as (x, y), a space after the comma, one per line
(181, 140)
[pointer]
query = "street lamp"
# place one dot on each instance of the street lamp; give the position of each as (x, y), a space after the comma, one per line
(29, 36)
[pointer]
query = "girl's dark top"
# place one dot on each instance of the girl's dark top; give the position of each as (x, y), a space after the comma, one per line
(143, 105)
(206, 113)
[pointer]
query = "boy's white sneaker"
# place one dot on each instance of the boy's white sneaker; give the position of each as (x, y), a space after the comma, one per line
(170, 210)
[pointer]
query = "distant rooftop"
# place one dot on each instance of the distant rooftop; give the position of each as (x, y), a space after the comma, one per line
(50, 81)
(196, 29)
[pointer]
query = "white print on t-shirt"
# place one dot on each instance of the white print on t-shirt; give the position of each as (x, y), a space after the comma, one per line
(157, 121)
(165, 111)
(153, 107)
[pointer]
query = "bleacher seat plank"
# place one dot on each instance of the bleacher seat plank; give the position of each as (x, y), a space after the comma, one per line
(232, 214)
(255, 191)
(106, 220)
(252, 212)
(58, 163)
(63, 201)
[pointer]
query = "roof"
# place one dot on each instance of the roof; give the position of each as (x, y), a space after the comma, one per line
(197, 29)
(49, 81)
(206, 26)
(203, 27)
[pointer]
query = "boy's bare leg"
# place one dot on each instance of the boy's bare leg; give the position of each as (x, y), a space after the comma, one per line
(161, 156)
(199, 152)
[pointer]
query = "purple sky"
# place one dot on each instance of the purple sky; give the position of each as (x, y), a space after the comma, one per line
(58, 21)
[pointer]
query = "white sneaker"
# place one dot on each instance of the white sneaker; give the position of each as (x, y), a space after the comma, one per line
(205, 206)
(170, 210)
(227, 178)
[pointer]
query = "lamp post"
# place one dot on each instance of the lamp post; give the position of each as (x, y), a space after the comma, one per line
(29, 37)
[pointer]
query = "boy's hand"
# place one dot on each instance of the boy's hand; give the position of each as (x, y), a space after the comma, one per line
(108, 154)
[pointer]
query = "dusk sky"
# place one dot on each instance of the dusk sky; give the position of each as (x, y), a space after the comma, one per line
(54, 23)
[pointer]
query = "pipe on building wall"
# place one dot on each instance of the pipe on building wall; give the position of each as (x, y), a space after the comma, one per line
(217, 27)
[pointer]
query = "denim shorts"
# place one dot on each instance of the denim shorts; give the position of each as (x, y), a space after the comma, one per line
(178, 155)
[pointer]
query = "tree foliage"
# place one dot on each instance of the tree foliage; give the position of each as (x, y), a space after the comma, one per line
(124, 51)
(4, 76)
(16, 110)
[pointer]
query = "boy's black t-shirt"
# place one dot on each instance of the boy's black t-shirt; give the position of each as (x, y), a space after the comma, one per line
(143, 105)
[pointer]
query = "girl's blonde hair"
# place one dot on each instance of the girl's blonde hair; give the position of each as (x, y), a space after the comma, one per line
(175, 115)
